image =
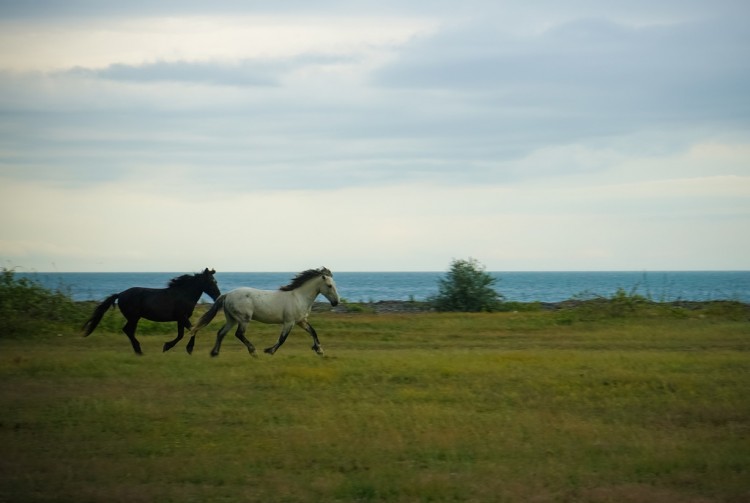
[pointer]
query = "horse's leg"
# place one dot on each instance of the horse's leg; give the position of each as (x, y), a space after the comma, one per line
(129, 330)
(240, 334)
(310, 330)
(231, 322)
(284, 333)
(181, 324)
(191, 342)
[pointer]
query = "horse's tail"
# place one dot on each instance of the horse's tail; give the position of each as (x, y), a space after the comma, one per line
(204, 320)
(92, 322)
(209, 315)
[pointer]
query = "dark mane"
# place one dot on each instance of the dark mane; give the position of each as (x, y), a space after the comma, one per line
(304, 277)
(183, 280)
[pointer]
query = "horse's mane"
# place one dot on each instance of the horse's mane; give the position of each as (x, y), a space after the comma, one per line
(181, 280)
(304, 277)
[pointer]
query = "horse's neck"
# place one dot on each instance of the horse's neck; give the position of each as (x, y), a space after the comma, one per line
(308, 292)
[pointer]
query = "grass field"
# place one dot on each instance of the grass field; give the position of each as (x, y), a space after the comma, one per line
(510, 407)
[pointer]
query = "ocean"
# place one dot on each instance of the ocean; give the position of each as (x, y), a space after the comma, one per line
(377, 286)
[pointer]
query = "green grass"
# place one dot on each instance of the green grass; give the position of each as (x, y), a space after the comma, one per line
(531, 406)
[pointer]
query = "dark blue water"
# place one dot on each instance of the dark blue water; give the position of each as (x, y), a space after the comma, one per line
(375, 286)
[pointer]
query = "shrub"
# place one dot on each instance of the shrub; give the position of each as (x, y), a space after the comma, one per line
(26, 306)
(467, 287)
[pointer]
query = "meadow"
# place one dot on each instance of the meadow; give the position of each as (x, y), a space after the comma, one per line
(562, 406)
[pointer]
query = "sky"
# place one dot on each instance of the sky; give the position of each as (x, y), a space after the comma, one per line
(374, 135)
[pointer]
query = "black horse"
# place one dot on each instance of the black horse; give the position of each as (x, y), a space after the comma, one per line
(174, 303)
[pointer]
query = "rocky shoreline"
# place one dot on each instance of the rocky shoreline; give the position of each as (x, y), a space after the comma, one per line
(382, 306)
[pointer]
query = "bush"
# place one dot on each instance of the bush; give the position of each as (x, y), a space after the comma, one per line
(26, 306)
(467, 288)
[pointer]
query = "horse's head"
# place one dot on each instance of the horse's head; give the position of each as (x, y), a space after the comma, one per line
(209, 283)
(328, 286)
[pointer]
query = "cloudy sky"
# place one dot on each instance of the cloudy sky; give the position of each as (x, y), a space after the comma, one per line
(374, 135)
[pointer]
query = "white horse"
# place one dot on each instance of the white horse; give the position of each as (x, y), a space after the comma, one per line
(289, 305)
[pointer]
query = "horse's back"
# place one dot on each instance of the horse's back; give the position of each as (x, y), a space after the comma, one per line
(133, 296)
(248, 297)
(138, 294)
(251, 303)
(156, 304)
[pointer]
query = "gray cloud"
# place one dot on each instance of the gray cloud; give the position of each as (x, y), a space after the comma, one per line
(245, 73)
(182, 71)
(449, 9)
(458, 106)
(94, 8)
(589, 67)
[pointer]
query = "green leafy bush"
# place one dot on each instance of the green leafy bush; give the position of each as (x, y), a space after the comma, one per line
(467, 287)
(26, 306)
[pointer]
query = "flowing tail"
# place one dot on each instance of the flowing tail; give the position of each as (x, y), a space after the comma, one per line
(91, 324)
(205, 320)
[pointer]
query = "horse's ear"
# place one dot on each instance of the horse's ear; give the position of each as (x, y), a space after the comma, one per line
(213, 271)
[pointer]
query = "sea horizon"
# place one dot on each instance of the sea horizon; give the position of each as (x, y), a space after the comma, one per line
(374, 286)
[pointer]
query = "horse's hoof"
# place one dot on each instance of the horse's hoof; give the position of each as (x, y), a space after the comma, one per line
(270, 351)
(318, 350)
(166, 348)
(253, 354)
(214, 354)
